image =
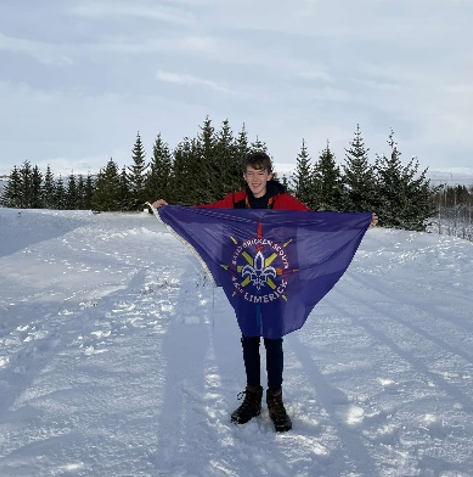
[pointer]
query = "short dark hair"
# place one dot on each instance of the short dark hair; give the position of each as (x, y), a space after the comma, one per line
(259, 161)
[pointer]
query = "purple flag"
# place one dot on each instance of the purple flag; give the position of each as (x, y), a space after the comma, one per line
(274, 265)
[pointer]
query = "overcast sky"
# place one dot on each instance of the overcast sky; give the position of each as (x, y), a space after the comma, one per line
(79, 78)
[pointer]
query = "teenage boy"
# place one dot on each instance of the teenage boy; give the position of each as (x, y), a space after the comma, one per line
(262, 192)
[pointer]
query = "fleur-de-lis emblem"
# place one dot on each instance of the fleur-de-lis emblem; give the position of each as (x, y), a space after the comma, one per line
(258, 273)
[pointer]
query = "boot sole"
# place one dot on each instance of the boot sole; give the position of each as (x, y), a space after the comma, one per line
(282, 428)
(236, 421)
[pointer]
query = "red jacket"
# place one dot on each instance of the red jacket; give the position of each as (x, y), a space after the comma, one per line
(282, 201)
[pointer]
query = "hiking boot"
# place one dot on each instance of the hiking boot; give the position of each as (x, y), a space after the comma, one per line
(277, 411)
(251, 405)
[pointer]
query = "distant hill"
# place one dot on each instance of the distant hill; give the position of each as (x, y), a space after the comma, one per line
(458, 176)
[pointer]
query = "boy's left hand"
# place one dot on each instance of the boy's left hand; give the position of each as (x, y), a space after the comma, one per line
(374, 220)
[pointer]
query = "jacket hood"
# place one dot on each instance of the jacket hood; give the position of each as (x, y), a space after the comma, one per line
(275, 188)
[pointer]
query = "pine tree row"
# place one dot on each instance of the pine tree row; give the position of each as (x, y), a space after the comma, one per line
(28, 188)
(400, 195)
(205, 168)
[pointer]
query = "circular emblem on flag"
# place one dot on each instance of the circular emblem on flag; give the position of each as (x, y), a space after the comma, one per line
(260, 270)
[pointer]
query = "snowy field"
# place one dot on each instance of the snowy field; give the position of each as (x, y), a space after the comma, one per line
(117, 358)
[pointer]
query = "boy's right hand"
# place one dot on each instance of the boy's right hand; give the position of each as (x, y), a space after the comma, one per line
(159, 203)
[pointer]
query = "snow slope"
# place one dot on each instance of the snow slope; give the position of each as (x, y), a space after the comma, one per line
(117, 358)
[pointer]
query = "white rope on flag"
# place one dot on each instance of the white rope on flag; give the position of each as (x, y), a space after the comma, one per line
(185, 242)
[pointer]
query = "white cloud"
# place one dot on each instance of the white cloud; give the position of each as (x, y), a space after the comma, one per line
(190, 80)
(148, 10)
(46, 53)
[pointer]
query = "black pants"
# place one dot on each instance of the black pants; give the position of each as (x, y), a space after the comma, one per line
(252, 360)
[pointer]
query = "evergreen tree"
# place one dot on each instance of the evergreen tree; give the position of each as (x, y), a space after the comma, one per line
(326, 180)
(242, 151)
(60, 201)
(403, 193)
(72, 194)
(204, 165)
(189, 178)
(302, 178)
(258, 146)
(80, 205)
(88, 192)
(230, 164)
(48, 189)
(242, 145)
(286, 184)
(106, 195)
(124, 198)
(137, 175)
(36, 188)
(26, 185)
(180, 176)
(13, 193)
(390, 185)
(358, 177)
(159, 180)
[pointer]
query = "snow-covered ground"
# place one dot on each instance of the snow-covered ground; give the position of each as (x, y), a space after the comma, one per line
(117, 358)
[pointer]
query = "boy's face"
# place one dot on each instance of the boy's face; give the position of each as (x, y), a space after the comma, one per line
(256, 180)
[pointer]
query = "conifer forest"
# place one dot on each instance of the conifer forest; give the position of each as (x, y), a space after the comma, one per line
(206, 168)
